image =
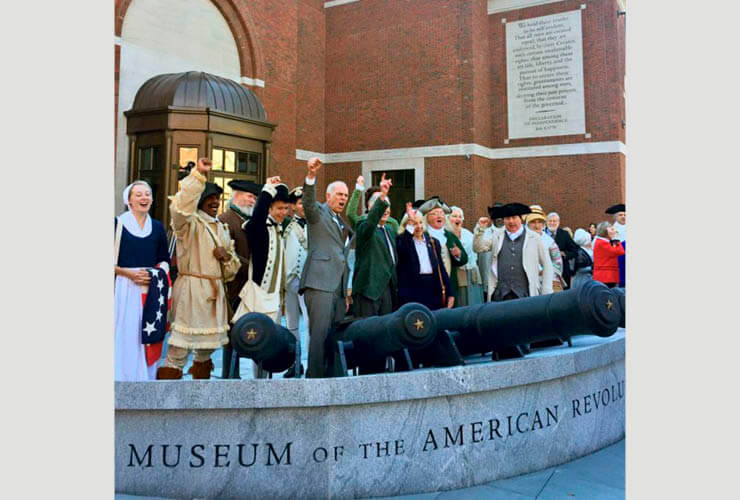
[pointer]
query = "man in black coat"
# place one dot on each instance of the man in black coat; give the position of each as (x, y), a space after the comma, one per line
(568, 247)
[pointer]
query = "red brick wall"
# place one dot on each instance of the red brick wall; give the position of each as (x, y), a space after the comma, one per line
(393, 74)
(579, 187)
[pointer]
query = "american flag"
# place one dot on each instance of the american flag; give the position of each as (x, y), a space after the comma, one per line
(156, 301)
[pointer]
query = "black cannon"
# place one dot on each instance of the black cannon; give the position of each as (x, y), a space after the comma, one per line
(502, 327)
(272, 347)
(367, 343)
(620, 293)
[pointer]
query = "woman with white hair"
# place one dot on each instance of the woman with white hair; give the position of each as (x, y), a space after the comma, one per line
(140, 254)
(469, 282)
(584, 258)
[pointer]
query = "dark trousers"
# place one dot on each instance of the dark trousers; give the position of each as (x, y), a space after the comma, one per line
(228, 351)
(324, 310)
(365, 307)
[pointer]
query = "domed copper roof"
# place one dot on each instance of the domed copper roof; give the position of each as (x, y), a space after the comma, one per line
(195, 89)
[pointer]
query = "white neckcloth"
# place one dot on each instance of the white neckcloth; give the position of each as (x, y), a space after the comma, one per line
(132, 226)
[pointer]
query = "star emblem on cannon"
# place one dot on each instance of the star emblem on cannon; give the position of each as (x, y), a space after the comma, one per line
(419, 324)
(609, 304)
(251, 334)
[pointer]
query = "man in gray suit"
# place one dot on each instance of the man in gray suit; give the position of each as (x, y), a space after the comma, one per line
(325, 274)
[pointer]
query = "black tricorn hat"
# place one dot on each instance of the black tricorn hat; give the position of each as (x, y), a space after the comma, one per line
(246, 186)
(281, 193)
(509, 210)
(494, 207)
(295, 194)
(615, 208)
(210, 190)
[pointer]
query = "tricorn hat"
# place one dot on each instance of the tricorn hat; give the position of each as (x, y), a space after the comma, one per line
(415, 205)
(295, 194)
(281, 193)
(491, 209)
(246, 186)
(210, 190)
(615, 208)
(509, 210)
(431, 204)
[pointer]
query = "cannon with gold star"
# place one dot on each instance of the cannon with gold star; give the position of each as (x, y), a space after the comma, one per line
(506, 329)
(392, 342)
(271, 346)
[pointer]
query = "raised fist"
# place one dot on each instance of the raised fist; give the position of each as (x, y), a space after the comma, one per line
(313, 166)
(273, 180)
(204, 166)
(484, 221)
(361, 181)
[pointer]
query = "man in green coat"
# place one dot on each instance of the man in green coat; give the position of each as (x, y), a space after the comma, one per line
(453, 253)
(354, 202)
(375, 285)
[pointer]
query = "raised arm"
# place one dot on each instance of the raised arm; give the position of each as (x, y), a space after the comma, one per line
(310, 206)
(354, 201)
(185, 202)
(482, 238)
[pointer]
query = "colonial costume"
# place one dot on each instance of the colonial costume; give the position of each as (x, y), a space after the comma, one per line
(516, 258)
(264, 289)
(296, 249)
(234, 218)
(136, 248)
(447, 241)
(200, 308)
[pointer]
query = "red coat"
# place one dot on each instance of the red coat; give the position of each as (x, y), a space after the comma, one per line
(606, 265)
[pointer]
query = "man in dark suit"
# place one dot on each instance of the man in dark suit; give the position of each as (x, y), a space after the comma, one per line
(325, 274)
(375, 284)
(243, 198)
(568, 247)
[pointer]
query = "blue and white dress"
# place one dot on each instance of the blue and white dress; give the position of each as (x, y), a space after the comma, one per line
(140, 248)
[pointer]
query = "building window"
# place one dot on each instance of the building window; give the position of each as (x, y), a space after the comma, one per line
(150, 170)
(229, 165)
(188, 153)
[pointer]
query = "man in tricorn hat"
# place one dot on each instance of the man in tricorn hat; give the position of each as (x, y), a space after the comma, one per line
(243, 197)
(517, 255)
(264, 290)
(207, 260)
(620, 219)
(453, 253)
(296, 250)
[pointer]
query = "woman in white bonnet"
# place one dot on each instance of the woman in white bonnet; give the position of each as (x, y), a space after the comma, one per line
(140, 244)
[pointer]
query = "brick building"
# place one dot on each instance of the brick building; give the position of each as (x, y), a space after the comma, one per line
(415, 88)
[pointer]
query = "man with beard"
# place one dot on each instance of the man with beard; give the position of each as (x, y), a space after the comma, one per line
(325, 275)
(296, 249)
(243, 197)
(453, 254)
(207, 260)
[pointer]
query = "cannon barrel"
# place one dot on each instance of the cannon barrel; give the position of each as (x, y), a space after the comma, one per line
(368, 341)
(588, 309)
(257, 337)
(620, 293)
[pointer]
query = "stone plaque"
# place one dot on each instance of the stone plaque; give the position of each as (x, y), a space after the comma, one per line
(544, 76)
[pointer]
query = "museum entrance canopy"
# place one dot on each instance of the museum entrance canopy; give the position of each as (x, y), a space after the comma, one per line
(180, 117)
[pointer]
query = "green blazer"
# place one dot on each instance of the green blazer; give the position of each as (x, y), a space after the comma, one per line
(374, 269)
(453, 241)
(354, 202)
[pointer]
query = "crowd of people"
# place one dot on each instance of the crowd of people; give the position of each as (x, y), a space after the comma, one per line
(283, 253)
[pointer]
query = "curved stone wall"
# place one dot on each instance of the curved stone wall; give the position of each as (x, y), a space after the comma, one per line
(377, 435)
